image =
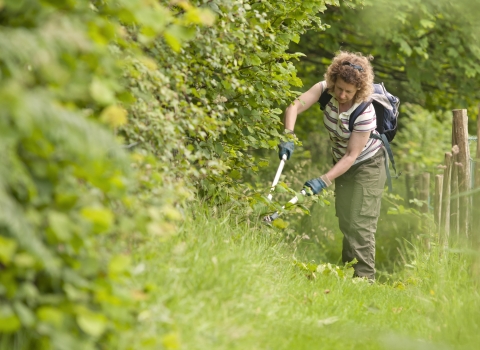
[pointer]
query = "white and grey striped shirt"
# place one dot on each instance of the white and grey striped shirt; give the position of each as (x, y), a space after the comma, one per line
(337, 127)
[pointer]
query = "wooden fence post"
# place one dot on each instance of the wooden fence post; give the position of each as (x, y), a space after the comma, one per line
(445, 216)
(437, 208)
(476, 198)
(424, 191)
(460, 132)
(454, 193)
(424, 196)
(410, 184)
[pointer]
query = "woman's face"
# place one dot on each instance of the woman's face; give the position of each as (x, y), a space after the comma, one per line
(344, 92)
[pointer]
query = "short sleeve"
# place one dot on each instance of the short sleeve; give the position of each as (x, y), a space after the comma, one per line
(324, 85)
(367, 121)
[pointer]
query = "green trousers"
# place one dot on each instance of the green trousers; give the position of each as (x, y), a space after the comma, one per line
(358, 195)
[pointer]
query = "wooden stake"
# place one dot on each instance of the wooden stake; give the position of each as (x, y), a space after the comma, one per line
(454, 194)
(437, 208)
(476, 198)
(477, 155)
(410, 184)
(463, 202)
(445, 216)
(424, 191)
(460, 134)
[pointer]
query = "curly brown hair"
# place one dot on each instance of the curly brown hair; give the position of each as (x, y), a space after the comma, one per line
(342, 67)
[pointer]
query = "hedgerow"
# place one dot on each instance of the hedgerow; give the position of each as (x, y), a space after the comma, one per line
(113, 114)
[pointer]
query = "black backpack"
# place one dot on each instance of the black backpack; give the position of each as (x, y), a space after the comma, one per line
(386, 109)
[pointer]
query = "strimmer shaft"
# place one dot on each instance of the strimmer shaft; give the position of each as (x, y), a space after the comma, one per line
(272, 217)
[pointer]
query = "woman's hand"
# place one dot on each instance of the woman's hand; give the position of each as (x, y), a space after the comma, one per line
(285, 148)
(316, 185)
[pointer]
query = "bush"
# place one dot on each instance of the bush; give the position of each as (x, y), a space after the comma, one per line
(188, 88)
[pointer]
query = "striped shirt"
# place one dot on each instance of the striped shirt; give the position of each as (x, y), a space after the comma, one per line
(337, 127)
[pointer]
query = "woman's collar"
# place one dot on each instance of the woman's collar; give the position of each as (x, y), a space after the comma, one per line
(351, 109)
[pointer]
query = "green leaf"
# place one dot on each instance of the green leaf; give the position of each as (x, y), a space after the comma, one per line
(175, 35)
(7, 249)
(295, 38)
(235, 174)
(452, 52)
(114, 116)
(304, 209)
(279, 223)
(427, 23)
(254, 60)
(93, 324)
(200, 16)
(24, 260)
(101, 92)
(25, 315)
(272, 143)
(101, 218)
(171, 341)
(218, 148)
(405, 47)
(51, 315)
(172, 40)
(281, 188)
(9, 322)
(59, 225)
(119, 264)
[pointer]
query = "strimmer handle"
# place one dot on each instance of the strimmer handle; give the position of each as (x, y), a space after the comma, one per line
(272, 217)
(277, 176)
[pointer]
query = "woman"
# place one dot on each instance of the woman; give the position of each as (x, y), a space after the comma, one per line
(359, 161)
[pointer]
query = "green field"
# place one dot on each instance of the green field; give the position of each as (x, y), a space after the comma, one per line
(221, 285)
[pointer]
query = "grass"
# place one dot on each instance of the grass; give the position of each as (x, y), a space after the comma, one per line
(218, 284)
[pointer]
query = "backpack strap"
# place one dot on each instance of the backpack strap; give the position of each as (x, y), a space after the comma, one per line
(323, 101)
(325, 97)
(386, 144)
(382, 137)
(356, 113)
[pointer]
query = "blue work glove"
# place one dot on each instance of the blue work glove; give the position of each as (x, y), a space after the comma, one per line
(317, 185)
(285, 148)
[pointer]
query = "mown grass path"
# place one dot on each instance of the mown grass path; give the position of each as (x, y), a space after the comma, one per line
(219, 285)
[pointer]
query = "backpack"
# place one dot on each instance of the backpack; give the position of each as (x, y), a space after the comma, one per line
(386, 109)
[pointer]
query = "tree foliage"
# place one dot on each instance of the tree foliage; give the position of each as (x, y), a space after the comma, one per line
(427, 52)
(202, 108)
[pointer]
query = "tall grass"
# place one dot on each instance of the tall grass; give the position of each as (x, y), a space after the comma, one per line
(219, 284)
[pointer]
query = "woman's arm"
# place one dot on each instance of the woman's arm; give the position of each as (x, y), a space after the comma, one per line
(301, 104)
(355, 146)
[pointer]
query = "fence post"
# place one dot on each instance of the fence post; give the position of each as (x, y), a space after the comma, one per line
(424, 196)
(437, 208)
(454, 193)
(424, 191)
(410, 184)
(476, 197)
(460, 130)
(445, 216)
